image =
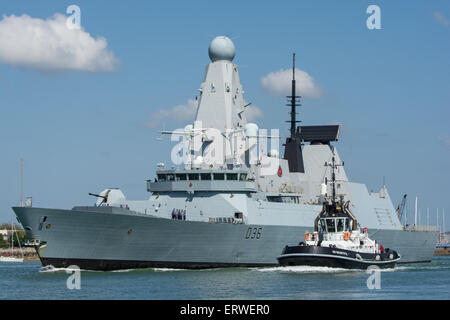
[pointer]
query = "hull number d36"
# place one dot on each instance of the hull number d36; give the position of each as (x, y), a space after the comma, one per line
(253, 233)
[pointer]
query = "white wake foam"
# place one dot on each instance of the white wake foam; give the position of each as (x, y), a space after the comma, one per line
(50, 268)
(305, 269)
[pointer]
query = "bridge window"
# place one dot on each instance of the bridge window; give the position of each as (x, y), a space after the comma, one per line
(322, 225)
(285, 199)
(161, 177)
(243, 176)
(340, 225)
(180, 176)
(193, 176)
(231, 176)
(205, 176)
(331, 225)
(170, 177)
(274, 199)
(219, 176)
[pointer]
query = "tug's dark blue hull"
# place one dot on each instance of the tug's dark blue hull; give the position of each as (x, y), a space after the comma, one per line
(335, 258)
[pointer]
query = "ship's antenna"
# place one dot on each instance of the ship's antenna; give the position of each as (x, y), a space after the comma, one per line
(333, 179)
(294, 101)
(333, 166)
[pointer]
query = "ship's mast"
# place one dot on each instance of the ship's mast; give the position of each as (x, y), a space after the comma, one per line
(333, 166)
(293, 145)
(294, 102)
(333, 181)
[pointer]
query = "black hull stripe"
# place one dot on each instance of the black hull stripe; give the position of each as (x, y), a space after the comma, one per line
(331, 262)
(109, 265)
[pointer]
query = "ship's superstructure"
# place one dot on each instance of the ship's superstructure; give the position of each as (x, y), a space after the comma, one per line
(226, 201)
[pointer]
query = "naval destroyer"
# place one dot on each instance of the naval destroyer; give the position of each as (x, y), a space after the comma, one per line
(226, 201)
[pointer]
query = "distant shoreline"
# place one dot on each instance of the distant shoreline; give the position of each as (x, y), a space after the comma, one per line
(442, 251)
(29, 254)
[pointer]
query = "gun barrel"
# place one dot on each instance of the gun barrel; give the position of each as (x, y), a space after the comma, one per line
(97, 195)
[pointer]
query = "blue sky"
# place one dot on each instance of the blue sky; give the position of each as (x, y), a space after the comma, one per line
(83, 131)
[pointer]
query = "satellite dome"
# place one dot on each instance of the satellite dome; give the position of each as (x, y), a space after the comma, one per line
(251, 130)
(221, 48)
(188, 128)
(273, 153)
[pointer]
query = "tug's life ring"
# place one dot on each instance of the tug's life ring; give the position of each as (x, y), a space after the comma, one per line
(307, 234)
(365, 229)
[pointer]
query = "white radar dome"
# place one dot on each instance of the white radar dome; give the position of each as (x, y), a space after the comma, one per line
(273, 153)
(188, 128)
(251, 130)
(221, 48)
(197, 163)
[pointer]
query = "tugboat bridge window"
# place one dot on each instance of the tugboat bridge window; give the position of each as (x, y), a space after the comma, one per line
(331, 225)
(232, 176)
(170, 177)
(322, 225)
(161, 177)
(347, 224)
(340, 225)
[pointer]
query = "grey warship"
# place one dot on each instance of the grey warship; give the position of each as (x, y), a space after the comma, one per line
(224, 203)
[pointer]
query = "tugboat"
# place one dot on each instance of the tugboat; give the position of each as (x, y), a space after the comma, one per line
(337, 241)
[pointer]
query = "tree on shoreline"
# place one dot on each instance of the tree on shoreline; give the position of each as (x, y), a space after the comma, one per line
(20, 234)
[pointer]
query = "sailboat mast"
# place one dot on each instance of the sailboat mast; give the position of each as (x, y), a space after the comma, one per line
(12, 237)
(21, 182)
(443, 220)
(415, 213)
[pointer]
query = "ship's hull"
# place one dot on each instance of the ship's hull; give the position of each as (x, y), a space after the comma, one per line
(110, 241)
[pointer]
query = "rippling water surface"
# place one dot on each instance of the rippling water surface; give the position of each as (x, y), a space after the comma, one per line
(28, 280)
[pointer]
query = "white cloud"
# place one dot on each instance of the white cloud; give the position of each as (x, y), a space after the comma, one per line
(179, 113)
(440, 18)
(183, 113)
(279, 83)
(49, 45)
(253, 113)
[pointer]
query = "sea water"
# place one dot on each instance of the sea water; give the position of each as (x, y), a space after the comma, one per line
(28, 280)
